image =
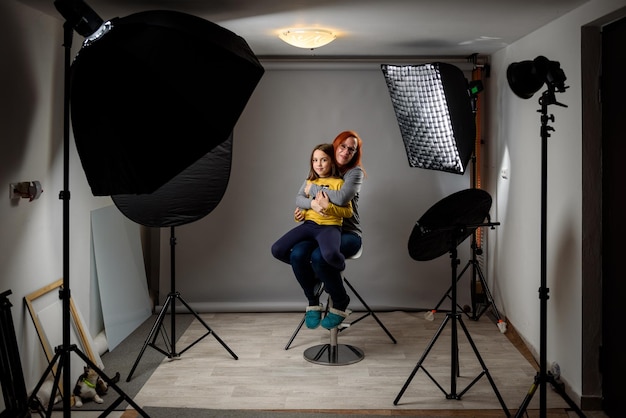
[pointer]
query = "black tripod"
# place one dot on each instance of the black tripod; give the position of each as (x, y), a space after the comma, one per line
(543, 376)
(477, 274)
(158, 324)
(476, 270)
(62, 353)
(455, 318)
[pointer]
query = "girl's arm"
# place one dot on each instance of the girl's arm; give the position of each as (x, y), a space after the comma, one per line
(352, 181)
(341, 211)
(326, 207)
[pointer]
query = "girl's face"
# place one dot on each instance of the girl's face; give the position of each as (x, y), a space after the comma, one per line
(321, 163)
(345, 151)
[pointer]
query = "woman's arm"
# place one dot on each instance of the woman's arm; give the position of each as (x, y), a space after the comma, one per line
(353, 179)
(303, 199)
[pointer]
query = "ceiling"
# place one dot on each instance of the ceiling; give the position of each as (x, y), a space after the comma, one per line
(364, 28)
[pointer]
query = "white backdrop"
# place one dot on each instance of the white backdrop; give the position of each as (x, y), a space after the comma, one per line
(223, 261)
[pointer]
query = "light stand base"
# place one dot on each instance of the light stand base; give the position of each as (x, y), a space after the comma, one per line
(453, 394)
(158, 326)
(61, 356)
(476, 311)
(558, 388)
(455, 318)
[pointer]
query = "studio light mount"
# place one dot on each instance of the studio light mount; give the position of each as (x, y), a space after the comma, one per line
(174, 87)
(526, 78)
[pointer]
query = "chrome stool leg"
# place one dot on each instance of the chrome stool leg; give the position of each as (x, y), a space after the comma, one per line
(333, 353)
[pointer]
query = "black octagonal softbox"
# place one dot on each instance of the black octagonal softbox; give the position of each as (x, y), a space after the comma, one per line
(154, 94)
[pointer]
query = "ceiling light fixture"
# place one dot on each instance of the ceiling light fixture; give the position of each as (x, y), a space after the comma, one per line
(307, 38)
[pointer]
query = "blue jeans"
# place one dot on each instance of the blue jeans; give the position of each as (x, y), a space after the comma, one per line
(309, 267)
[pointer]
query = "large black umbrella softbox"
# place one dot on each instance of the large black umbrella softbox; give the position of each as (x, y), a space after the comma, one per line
(153, 95)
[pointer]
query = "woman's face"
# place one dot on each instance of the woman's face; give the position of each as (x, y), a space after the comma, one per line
(345, 151)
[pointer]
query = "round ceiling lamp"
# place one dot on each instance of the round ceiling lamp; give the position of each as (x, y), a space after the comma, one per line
(307, 38)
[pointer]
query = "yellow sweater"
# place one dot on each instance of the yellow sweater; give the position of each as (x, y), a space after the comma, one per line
(334, 213)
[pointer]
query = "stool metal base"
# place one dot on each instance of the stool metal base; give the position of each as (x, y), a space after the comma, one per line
(333, 355)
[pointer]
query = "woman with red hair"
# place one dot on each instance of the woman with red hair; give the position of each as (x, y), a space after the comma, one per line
(306, 260)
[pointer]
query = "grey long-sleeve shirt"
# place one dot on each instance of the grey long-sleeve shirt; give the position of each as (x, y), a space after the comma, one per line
(349, 192)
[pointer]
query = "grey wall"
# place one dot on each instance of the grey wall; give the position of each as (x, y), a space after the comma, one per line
(223, 261)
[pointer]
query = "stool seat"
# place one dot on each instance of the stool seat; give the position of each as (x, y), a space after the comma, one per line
(357, 255)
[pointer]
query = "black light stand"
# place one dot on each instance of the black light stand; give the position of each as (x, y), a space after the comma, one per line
(545, 377)
(476, 272)
(170, 303)
(455, 318)
(12, 383)
(63, 352)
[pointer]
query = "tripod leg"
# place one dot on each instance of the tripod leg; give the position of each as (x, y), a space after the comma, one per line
(369, 311)
(111, 384)
(319, 288)
(297, 330)
(33, 396)
(421, 360)
(559, 388)
(484, 366)
(529, 395)
(150, 339)
(487, 293)
(210, 331)
(447, 294)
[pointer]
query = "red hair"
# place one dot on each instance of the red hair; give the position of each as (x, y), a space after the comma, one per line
(356, 158)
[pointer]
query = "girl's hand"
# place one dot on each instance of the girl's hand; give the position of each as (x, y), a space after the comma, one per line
(298, 215)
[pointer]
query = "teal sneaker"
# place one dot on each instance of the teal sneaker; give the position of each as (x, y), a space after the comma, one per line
(313, 316)
(334, 317)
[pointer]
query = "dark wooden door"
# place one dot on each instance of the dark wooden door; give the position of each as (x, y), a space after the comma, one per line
(613, 93)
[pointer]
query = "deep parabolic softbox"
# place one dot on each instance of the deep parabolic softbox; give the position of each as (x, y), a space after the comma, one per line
(157, 92)
(188, 197)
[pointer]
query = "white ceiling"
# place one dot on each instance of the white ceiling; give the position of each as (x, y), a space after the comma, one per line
(364, 28)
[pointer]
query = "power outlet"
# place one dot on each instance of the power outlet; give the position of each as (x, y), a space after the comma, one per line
(555, 370)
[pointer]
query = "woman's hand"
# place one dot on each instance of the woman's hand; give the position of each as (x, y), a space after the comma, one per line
(317, 208)
(298, 215)
(322, 199)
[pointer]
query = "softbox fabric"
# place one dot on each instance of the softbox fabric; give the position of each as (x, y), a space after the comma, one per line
(434, 112)
(189, 196)
(153, 95)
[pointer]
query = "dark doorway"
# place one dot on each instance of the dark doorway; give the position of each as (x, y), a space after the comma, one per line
(613, 92)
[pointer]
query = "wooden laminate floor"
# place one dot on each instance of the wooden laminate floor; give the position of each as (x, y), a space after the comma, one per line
(267, 377)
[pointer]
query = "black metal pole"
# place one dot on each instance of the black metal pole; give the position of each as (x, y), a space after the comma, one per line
(65, 197)
(543, 290)
(543, 378)
(173, 354)
(454, 340)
